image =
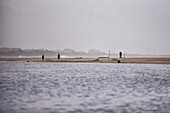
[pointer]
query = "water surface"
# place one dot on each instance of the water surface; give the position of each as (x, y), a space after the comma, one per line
(32, 87)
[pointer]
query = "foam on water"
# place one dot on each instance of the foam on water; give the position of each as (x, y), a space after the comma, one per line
(31, 87)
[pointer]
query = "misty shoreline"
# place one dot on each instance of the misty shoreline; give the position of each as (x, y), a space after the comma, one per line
(6, 52)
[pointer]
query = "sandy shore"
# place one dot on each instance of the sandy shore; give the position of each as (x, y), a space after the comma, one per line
(95, 60)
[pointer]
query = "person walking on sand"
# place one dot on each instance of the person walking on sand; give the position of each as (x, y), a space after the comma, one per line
(59, 56)
(120, 54)
(43, 57)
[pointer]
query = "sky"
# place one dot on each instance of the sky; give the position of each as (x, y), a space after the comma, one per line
(133, 26)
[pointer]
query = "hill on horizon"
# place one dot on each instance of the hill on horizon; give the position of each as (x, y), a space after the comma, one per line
(7, 52)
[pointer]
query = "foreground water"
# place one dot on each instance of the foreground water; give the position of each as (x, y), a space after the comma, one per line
(31, 87)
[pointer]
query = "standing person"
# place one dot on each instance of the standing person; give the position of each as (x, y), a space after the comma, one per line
(59, 56)
(120, 54)
(43, 57)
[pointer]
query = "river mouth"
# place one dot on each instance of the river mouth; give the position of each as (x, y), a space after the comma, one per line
(46, 87)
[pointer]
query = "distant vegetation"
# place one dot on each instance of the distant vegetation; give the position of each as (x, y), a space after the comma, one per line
(38, 52)
(11, 52)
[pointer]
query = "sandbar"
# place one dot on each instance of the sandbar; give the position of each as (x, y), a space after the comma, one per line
(95, 60)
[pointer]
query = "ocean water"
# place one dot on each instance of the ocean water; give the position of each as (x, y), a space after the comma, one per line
(49, 87)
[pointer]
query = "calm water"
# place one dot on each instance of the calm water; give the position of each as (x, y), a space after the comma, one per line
(31, 87)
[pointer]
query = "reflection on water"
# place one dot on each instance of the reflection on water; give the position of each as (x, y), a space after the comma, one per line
(31, 87)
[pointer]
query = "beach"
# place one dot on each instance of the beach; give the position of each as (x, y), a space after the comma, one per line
(95, 60)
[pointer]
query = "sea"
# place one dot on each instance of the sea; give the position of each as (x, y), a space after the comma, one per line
(78, 56)
(50, 87)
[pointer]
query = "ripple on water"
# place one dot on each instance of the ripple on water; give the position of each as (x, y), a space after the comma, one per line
(83, 87)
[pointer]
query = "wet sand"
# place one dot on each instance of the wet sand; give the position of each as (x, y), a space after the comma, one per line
(95, 60)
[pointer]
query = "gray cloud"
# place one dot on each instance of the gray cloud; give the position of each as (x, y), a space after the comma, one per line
(134, 26)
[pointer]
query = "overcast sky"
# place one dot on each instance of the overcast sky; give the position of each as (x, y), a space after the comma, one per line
(133, 26)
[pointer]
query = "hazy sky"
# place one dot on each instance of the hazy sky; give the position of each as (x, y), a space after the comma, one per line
(133, 26)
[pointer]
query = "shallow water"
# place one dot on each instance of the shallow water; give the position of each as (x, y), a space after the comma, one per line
(32, 87)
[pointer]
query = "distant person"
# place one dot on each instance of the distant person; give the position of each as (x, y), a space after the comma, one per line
(59, 56)
(120, 54)
(43, 57)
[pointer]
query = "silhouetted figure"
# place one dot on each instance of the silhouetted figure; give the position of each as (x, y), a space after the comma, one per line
(43, 57)
(59, 56)
(120, 54)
